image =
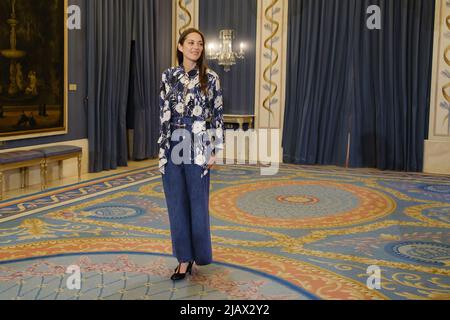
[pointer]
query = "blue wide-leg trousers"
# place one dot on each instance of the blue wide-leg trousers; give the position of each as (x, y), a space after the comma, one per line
(187, 198)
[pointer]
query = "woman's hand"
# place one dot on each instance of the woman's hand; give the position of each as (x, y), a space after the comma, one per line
(212, 161)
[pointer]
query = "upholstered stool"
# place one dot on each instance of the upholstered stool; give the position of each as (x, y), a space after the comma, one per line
(20, 160)
(60, 153)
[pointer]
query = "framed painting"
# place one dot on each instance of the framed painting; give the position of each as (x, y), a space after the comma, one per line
(33, 68)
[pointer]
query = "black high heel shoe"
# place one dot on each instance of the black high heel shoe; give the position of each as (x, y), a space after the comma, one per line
(180, 276)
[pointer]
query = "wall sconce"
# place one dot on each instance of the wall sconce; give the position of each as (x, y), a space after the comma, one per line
(225, 55)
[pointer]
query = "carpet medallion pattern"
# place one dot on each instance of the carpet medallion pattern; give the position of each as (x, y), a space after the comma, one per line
(306, 233)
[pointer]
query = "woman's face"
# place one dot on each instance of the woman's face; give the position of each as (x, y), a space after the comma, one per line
(192, 47)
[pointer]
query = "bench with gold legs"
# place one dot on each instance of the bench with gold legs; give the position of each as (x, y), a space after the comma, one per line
(38, 157)
(60, 153)
(21, 160)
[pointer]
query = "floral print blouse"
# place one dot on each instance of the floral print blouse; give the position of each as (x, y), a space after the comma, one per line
(181, 96)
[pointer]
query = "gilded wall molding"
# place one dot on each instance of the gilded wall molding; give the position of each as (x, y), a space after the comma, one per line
(437, 147)
(185, 15)
(271, 48)
(440, 100)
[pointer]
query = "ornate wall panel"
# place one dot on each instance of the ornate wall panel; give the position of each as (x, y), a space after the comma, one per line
(437, 148)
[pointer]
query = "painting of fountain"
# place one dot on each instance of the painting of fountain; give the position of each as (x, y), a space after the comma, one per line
(16, 88)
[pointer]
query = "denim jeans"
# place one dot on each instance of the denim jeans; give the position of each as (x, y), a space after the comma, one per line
(187, 198)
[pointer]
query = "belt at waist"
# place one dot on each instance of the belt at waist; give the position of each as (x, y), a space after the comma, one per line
(180, 125)
(185, 122)
(182, 122)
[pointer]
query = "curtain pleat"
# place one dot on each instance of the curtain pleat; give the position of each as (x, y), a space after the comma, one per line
(372, 86)
(152, 27)
(109, 41)
(113, 87)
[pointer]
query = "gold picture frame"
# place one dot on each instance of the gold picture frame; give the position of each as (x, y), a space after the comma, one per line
(33, 84)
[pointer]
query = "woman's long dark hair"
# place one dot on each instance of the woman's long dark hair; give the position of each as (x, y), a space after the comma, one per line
(201, 63)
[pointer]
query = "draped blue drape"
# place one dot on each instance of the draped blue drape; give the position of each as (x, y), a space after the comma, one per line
(114, 88)
(318, 91)
(109, 34)
(392, 85)
(349, 81)
(151, 55)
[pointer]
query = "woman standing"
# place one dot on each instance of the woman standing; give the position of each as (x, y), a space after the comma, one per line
(191, 107)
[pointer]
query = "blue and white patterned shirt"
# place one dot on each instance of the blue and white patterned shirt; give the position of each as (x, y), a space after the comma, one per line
(181, 96)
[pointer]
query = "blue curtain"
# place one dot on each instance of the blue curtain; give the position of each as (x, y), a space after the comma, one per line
(317, 114)
(151, 55)
(129, 45)
(109, 35)
(392, 85)
(370, 85)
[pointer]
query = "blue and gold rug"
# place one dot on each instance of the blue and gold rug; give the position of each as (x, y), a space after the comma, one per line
(306, 233)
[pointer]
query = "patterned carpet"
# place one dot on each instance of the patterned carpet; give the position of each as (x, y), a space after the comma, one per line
(306, 233)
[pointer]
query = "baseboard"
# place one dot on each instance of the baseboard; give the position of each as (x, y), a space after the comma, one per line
(437, 157)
